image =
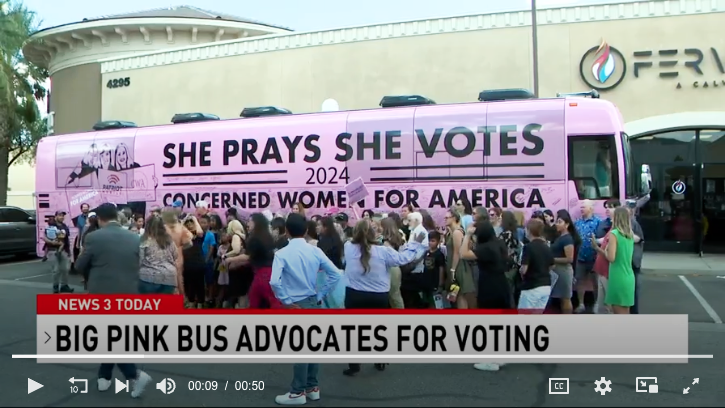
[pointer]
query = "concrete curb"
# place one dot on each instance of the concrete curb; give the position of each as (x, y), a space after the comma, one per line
(674, 272)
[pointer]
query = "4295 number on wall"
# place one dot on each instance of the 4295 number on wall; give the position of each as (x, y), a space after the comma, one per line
(118, 83)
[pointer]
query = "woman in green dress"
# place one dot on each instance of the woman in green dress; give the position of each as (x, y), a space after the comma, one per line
(620, 289)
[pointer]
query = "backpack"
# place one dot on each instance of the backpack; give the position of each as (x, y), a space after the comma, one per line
(515, 248)
(409, 267)
(515, 251)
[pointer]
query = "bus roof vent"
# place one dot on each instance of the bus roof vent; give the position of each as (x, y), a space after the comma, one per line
(405, 100)
(261, 111)
(494, 95)
(180, 118)
(592, 94)
(113, 124)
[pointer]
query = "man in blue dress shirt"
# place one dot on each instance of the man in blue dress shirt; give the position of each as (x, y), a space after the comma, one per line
(294, 283)
(586, 278)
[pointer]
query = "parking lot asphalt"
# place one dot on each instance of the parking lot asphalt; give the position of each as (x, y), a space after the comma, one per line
(420, 385)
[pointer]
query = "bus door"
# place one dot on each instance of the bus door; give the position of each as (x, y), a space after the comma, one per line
(594, 167)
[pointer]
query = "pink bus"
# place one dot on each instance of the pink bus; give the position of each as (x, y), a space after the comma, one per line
(508, 150)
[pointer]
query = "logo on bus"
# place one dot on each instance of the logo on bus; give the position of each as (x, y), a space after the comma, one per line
(603, 67)
(113, 179)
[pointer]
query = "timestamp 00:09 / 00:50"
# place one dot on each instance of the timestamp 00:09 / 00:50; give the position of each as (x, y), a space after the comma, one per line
(238, 385)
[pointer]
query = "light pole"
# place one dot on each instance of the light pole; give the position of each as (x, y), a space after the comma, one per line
(535, 46)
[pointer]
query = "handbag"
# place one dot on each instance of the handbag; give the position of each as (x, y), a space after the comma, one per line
(601, 264)
(515, 253)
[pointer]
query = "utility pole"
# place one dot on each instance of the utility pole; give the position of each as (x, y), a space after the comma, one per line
(535, 47)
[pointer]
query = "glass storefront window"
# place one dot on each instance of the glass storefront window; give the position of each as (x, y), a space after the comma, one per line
(696, 217)
(667, 147)
(668, 216)
(712, 146)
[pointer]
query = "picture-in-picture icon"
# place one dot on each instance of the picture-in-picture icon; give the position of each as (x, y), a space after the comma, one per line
(647, 384)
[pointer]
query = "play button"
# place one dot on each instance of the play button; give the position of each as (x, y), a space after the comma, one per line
(33, 386)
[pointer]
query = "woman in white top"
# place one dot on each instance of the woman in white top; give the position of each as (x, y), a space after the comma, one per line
(367, 270)
(393, 238)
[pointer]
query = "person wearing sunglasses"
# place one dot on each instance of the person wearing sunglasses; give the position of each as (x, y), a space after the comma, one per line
(494, 214)
(463, 206)
(550, 230)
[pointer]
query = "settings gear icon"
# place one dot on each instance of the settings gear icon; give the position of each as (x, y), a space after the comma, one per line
(600, 383)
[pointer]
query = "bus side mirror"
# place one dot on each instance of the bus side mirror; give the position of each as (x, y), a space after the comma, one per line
(645, 180)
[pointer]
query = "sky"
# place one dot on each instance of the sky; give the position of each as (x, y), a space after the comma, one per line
(299, 15)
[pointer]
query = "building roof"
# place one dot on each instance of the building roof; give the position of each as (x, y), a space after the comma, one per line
(179, 12)
(49, 47)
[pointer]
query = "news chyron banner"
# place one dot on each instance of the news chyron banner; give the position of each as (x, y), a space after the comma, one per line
(158, 329)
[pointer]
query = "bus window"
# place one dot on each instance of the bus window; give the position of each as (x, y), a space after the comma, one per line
(593, 166)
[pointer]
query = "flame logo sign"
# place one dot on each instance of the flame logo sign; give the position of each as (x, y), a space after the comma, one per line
(604, 65)
(113, 179)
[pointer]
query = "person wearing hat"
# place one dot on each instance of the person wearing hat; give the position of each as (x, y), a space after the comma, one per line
(202, 208)
(343, 220)
(57, 241)
(80, 224)
(178, 207)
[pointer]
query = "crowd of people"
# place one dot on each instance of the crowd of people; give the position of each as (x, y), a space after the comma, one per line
(477, 258)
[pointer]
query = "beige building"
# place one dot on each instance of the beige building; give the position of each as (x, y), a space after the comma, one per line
(187, 60)
(663, 65)
(21, 186)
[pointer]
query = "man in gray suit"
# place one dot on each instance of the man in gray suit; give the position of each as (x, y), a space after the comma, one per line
(110, 259)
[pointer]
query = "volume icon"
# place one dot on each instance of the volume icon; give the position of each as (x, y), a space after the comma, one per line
(167, 386)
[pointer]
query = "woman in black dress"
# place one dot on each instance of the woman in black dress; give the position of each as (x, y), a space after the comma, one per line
(491, 255)
(194, 266)
(240, 271)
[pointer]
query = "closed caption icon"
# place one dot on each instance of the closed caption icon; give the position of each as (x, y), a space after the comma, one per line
(558, 386)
